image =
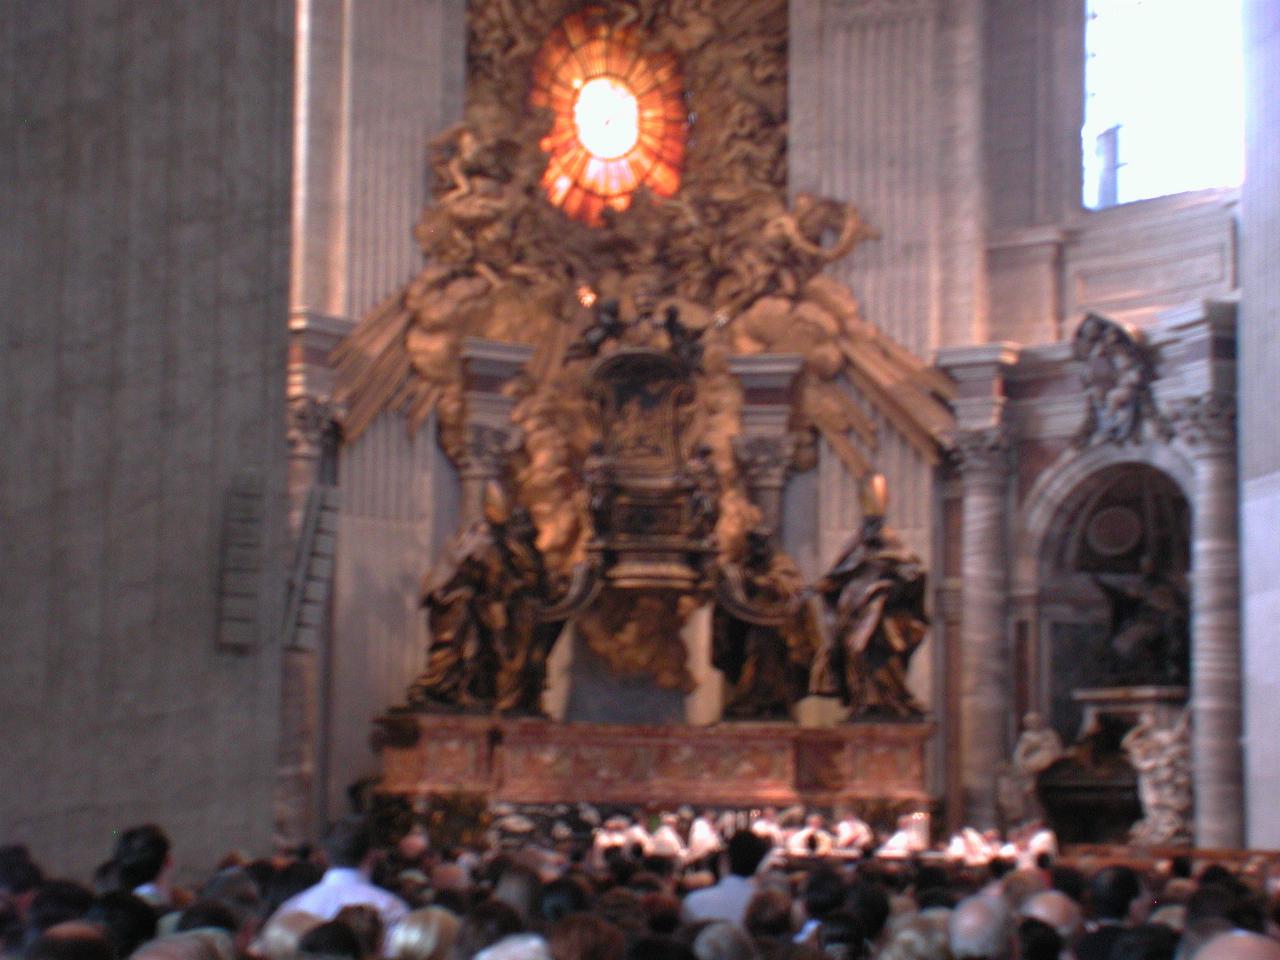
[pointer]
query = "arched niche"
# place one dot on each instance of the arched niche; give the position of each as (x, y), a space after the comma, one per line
(1120, 524)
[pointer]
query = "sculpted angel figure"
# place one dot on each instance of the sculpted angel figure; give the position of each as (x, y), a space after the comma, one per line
(874, 598)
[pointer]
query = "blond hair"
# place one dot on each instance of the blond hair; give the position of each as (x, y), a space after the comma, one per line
(425, 934)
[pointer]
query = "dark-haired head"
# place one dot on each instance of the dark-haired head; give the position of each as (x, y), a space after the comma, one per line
(746, 849)
(127, 919)
(1112, 891)
(141, 853)
(348, 842)
(332, 939)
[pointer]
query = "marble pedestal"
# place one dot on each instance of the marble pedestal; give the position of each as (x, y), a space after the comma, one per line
(739, 765)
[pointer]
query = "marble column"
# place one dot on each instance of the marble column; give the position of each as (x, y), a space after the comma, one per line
(982, 454)
(1206, 425)
(983, 459)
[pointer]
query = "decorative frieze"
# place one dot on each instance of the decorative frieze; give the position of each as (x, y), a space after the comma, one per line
(1207, 423)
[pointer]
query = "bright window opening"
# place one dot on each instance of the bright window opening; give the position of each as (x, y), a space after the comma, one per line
(1164, 98)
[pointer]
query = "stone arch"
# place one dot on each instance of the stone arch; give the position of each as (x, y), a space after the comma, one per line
(1042, 511)
(1066, 560)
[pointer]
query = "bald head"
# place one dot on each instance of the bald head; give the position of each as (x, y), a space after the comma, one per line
(1239, 945)
(1057, 910)
(979, 929)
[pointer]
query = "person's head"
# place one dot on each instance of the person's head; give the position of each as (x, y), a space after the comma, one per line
(192, 945)
(1112, 892)
(70, 941)
(1057, 910)
(279, 937)
(426, 934)
(583, 936)
(659, 948)
(922, 936)
(869, 902)
(1069, 880)
(1037, 940)
(349, 842)
(332, 939)
(723, 941)
(625, 910)
(55, 902)
(978, 929)
(290, 880)
(517, 946)
(208, 915)
(127, 920)
(235, 889)
(745, 850)
(768, 914)
(486, 924)
(518, 887)
(141, 855)
(823, 893)
(1239, 945)
(366, 923)
(1147, 941)
(842, 936)
(662, 912)
(19, 874)
(1021, 884)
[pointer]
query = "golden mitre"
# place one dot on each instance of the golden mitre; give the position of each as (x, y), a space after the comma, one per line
(874, 495)
(497, 508)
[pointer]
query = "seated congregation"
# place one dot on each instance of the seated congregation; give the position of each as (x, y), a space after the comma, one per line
(580, 900)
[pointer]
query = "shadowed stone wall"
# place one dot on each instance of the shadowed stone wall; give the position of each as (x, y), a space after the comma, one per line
(145, 160)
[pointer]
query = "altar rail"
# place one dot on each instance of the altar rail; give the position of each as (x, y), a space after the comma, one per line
(739, 764)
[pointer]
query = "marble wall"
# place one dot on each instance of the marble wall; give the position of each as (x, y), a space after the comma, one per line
(1259, 447)
(145, 162)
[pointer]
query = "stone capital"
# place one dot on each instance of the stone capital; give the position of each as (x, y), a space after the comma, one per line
(484, 449)
(765, 460)
(312, 421)
(982, 453)
(1206, 424)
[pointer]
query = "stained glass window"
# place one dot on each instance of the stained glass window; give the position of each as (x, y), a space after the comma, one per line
(619, 116)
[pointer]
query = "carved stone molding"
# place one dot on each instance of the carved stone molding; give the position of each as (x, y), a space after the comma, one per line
(1206, 424)
(982, 453)
(312, 423)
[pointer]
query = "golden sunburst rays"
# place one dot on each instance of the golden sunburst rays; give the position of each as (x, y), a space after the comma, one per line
(619, 116)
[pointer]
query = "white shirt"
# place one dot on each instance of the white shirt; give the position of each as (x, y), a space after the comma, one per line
(727, 900)
(346, 887)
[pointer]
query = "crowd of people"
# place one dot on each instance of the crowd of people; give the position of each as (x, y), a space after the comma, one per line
(627, 898)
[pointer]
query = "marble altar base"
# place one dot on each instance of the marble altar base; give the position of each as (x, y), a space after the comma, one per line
(727, 765)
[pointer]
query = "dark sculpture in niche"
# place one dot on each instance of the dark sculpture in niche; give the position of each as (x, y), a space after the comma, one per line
(874, 599)
(764, 636)
(1117, 379)
(1149, 641)
(487, 604)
